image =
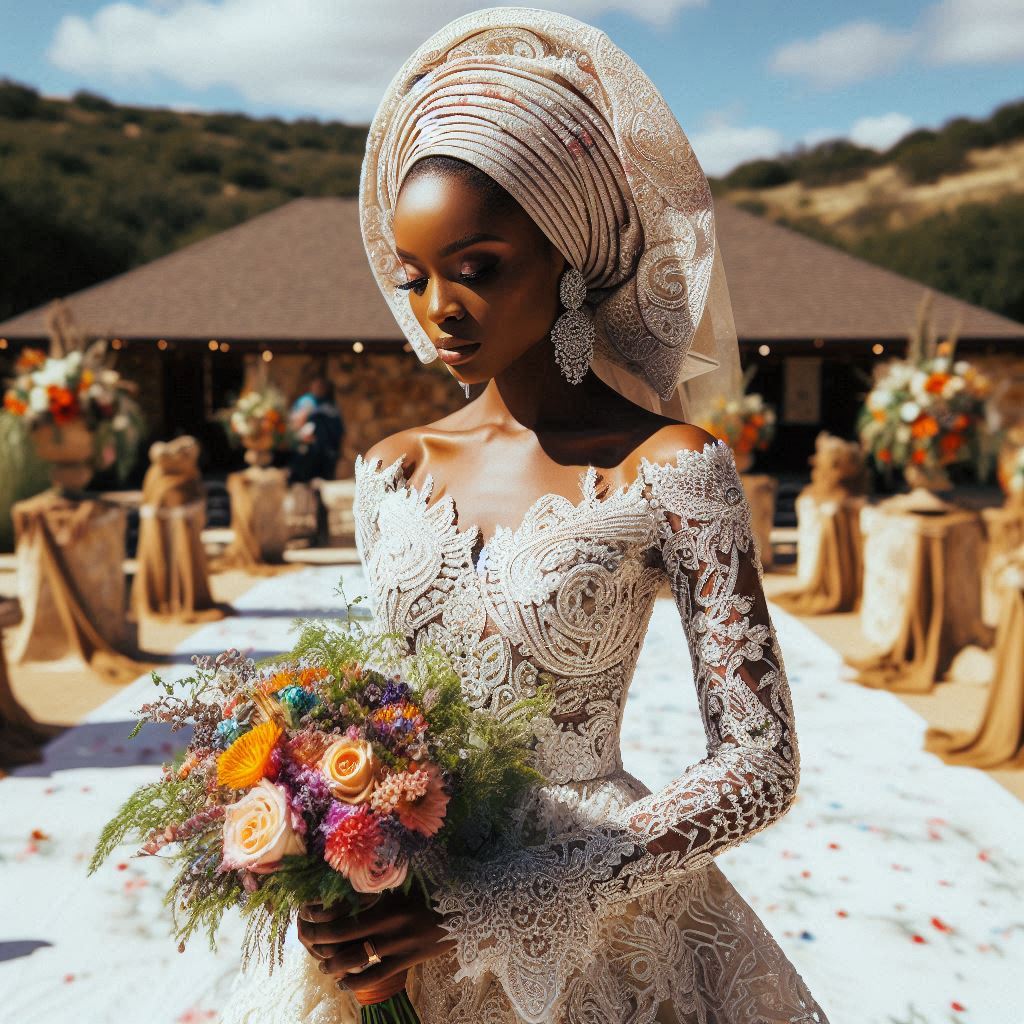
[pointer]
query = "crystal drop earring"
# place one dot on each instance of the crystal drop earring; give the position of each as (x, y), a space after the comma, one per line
(465, 387)
(573, 332)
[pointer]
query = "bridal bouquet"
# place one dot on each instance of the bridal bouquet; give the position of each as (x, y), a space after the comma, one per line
(338, 771)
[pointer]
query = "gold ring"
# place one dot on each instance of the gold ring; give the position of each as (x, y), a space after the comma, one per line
(373, 957)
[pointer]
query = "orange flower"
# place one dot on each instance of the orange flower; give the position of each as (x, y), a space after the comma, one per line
(884, 455)
(919, 456)
(63, 404)
(310, 675)
(962, 422)
(950, 443)
(243, 764)
(924, 426)
(30, 359)
(936, 382)
(86, 380)
(278, 681)
(879, 414)
(13, 404)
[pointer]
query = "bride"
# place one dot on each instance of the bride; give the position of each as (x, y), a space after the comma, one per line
(537, 220)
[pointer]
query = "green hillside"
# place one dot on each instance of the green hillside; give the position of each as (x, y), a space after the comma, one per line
(89, 189)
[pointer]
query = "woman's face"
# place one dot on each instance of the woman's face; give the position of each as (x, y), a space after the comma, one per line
(482, 282)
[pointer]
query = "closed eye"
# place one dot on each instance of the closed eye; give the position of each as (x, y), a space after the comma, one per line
(418, 284)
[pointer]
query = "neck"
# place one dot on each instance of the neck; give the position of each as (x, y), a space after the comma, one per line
(532, 394)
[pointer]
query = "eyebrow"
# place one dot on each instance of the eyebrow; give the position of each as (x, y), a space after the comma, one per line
(461, 243)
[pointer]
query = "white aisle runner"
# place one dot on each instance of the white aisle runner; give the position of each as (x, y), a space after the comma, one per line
(894, 884)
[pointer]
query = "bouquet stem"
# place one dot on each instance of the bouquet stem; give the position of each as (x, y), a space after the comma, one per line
(387, 1003)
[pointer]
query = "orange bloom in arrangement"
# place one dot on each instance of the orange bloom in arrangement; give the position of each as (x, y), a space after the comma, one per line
(63, 404)
(884, 455)
(936, 382)
(951, 443)
(879, 415)
(311, 675)
(13, 404)
(924, 426)
(244, 763)
(86, 380)
(962, 422)
(918, 456)
(30, 359)
(278, 681)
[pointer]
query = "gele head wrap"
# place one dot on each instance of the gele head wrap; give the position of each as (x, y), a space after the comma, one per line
(579, 136)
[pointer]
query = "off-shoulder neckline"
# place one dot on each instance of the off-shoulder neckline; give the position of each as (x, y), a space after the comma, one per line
(396, 474)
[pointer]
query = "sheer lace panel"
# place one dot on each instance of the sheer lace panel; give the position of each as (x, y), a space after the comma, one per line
(568, 595)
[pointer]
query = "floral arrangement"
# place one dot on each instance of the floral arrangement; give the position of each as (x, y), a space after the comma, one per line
(258, 420)
(927, 415)
(320, 779)
(1011, 473)
(77, 388)
(745, 424)
(927, 412)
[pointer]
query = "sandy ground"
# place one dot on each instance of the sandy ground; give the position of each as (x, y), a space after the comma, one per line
(65, 697)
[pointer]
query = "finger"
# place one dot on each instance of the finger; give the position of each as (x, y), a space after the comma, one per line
(350, 929)
(351, 957)
(388, 967)
(315, 913)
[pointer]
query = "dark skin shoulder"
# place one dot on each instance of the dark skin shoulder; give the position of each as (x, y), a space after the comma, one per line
(496, 475)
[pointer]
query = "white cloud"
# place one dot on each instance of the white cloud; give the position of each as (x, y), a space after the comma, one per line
(722, 145)
(975, 31)
(334, 57)
(840, 56)
(882, 131)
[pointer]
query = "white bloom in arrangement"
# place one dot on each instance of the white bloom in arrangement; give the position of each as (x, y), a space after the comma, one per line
(120, 422)
(953, 387)
(38, 400)
(880, 398)
(909, 412)
(903, 433)
(961, 366)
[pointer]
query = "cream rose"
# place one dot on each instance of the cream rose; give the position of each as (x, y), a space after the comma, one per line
(259, 830)
(350, 769)
(377, 875)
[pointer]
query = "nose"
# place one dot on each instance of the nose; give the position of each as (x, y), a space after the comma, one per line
(442, 304)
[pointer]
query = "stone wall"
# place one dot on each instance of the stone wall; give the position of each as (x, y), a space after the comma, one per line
(378, 393)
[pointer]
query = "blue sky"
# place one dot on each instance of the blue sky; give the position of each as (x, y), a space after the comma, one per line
(745, 78)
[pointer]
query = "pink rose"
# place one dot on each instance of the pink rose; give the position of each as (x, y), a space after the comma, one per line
(378, 874)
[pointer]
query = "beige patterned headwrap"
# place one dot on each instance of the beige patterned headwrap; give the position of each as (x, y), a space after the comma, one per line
(578, 135)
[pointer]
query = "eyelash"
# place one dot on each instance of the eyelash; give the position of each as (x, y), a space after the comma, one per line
(413, 285)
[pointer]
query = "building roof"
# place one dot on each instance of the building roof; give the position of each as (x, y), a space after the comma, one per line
(299, 273)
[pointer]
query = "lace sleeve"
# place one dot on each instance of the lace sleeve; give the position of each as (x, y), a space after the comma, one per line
(532, 915)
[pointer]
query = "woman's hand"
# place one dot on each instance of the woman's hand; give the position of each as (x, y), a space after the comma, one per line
(403, 930)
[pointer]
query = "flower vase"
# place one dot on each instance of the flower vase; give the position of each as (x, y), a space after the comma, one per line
(69, 448)
(925, 485)
(259, 450)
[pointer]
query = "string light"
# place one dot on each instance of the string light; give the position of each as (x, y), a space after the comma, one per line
(3, 343)
(878, 348)
(213, 345)
(116, 343)
(357, 346)
(224, 346)
(407, 347)
(765, 350)
(162, 344)
(267, 355)
(819, 342)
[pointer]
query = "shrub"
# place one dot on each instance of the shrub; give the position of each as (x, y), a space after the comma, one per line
(759, 174)
(930, 159)
(86, 100)
(17, 101)
(1008, 122)
(189, 159)
(247, 174)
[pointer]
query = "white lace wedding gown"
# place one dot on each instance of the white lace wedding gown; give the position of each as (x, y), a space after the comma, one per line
(578, 922)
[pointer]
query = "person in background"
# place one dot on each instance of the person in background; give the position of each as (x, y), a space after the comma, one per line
(318, 424)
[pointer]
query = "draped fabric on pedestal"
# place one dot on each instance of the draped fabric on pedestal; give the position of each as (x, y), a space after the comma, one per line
(71, 581)
(578, 135)
(172, 577)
